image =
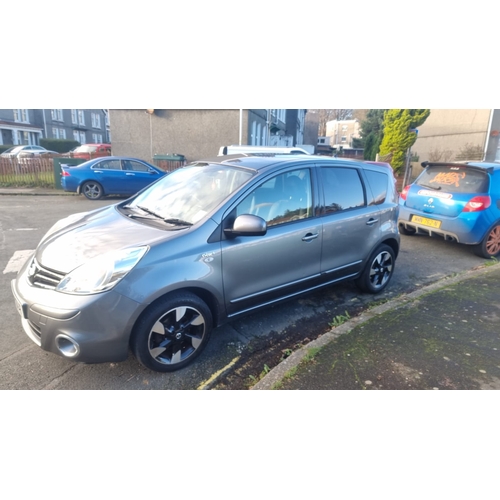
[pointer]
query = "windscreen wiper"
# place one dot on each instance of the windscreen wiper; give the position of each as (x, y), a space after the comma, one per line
(178, 222)
(171, 220)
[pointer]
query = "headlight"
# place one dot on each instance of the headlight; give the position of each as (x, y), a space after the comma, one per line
(101, 273)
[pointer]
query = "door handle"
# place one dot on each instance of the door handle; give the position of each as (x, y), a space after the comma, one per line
(129, 173)
(371, 222)
(310, 237)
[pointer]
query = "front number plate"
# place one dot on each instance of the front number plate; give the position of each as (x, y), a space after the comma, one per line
(426, 222)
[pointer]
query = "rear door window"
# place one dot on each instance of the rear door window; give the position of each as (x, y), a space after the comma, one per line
(342, 188)
(108, 165)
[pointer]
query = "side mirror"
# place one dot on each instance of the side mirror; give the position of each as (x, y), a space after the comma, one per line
(247, 225)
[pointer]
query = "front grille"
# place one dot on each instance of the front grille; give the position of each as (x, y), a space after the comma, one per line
(43, 277)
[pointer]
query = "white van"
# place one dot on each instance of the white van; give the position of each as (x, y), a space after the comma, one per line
(260, 150)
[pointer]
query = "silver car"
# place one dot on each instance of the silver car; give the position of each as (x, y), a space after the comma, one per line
(201, 246)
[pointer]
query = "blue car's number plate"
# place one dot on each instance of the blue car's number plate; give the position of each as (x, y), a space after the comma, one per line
(426, 222)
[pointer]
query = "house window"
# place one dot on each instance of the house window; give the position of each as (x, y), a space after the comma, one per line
(56, 114)
(22, 137)
(97, 138)
(21, 115)
(55, 132)
(74, 116)
(62, 133)
(81, 117)
(343, 139)
(96, 120)
(79, 136)
(344, 128)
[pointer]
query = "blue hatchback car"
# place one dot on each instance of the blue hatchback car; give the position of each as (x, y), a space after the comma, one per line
(117, 175)
(457, 201)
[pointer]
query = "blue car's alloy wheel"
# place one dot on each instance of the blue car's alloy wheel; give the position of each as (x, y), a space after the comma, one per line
(92, 190)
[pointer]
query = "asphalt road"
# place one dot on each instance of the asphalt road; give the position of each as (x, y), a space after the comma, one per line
(23, 365)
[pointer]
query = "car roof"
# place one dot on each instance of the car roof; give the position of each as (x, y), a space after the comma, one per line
(262, 162)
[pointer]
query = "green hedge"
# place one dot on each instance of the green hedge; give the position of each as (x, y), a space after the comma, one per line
(59, 145)
(4, 147)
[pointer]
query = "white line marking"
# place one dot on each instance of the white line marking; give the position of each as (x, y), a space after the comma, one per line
(17, 260)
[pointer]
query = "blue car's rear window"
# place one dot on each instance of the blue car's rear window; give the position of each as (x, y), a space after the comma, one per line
(453, 179)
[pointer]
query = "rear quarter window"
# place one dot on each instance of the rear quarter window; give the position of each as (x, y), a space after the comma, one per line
(454, 179)
(378, 184)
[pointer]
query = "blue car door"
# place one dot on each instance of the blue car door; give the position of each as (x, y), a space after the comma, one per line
(110, 175)
(137, 175)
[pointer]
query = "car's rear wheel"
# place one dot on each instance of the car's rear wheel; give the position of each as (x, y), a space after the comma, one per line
(378, 271)
(172, 333)
(92, 190)
(407, 231)
(490, 246)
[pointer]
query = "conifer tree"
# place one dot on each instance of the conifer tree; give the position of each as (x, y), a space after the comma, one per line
(398, 136)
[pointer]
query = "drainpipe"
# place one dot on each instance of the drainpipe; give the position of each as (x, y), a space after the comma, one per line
(241, 126)
(488, 134)
(44, 124)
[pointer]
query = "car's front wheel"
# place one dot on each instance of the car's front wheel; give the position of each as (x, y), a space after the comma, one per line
(172, 332)
(92, 190)
(490, 246)
(378, 271)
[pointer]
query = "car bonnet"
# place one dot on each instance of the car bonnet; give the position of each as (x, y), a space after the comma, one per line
(95, 234)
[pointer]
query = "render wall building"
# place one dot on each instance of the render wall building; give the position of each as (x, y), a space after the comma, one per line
(198, 134)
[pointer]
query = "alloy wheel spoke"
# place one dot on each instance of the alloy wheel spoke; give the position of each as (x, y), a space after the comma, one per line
(176, 356)
(195, 341)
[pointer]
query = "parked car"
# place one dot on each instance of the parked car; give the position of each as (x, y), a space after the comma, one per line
(26, 150)
(90, 151)
(261, 150)
(112, 175)
(384, 164)
(205, 244)
(457, 201)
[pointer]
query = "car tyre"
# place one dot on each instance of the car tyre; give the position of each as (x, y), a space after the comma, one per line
(172, 332)
(92, 190)
(407, 231)
(490, 246)
(378, 271)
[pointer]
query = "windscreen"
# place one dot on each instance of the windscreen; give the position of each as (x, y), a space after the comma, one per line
(189, 193)
(454, 179)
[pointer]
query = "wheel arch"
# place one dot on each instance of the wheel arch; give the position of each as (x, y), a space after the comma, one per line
(393, 243)
(201, 293)
(79, 188)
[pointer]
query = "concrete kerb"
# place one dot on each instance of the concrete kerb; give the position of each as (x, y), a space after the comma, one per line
(277, 374)
(34, 192)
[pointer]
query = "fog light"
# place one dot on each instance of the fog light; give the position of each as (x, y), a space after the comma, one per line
(67, 346)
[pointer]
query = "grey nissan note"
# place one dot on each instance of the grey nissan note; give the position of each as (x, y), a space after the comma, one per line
(202, 245)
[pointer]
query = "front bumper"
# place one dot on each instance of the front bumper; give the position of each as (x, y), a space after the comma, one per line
(91, 329)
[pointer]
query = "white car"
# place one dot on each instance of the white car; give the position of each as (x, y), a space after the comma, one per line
(26, 150)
